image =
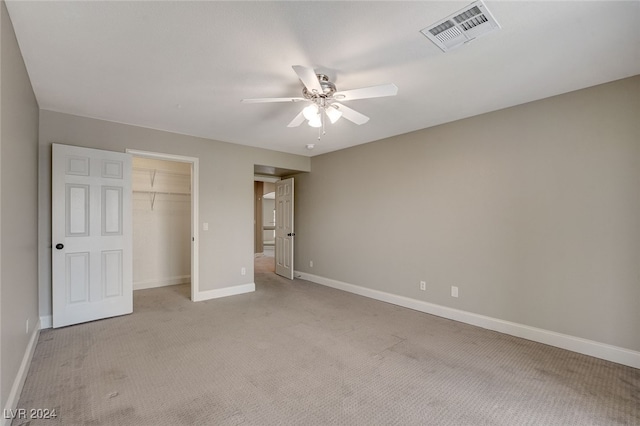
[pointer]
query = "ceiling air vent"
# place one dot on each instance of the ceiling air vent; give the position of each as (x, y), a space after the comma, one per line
(465, 25)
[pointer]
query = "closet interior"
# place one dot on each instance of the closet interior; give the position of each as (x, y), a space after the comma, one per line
(161, 223)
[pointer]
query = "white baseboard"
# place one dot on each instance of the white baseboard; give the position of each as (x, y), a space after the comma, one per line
(163, 282)
(576, 344)
(224, 292)
(46, 322)
(21, 376)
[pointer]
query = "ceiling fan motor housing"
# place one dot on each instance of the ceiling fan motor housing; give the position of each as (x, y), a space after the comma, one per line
(328, 88)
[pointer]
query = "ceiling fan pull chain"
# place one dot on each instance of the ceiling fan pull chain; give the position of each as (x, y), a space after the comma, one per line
(322, 118)
(320, 129)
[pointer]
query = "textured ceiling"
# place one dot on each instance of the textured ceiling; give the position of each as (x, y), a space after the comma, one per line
(185, 66)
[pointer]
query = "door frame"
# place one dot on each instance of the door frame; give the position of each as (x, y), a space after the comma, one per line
(195, 241)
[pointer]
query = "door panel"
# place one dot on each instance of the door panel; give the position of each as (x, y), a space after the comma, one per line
(91, 231)
(111, 211)
(284, 228)
(112, 273)
(77, 165)
(77, 277)
(112, 169)
(77, 201)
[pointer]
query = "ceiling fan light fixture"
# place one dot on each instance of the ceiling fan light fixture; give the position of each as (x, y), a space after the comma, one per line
(333, 113)
(311, 112)
(315, 121)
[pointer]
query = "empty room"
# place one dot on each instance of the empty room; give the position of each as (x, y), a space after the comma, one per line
(320, 212)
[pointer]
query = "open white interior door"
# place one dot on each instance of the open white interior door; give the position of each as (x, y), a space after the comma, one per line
(91, 231)
(284, 228)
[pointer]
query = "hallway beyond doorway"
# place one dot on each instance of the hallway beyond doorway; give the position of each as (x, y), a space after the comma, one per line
(265, 262)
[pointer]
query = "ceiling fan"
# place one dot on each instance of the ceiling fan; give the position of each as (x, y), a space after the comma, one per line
(324, 99)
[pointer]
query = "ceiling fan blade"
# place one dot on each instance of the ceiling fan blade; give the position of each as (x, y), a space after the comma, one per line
(262, 100)
(298, 120)
(367, 92)
(309, 78)
(351, 115)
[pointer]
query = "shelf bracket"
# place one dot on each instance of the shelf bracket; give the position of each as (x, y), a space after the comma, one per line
(152, 199)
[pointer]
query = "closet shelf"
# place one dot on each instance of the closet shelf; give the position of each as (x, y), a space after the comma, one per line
(152, 195)
(179, 179)
(160, 192)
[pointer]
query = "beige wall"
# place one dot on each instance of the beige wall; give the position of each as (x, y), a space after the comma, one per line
(18, 210)
(532, 211)
(225, 196)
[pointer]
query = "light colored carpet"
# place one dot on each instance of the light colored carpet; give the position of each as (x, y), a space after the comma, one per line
(296, 353)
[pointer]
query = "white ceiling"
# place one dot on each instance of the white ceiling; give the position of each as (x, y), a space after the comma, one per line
(185, 66)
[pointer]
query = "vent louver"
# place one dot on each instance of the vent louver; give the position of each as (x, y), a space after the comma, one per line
(465, 25)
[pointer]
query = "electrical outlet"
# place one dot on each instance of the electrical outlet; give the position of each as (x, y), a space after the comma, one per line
(243, 271)
(205, 226)
(423, 285)
(454, 291)
(311, 264)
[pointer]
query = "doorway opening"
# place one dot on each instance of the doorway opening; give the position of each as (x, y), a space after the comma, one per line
(265, 225)
(274, 222)
(164, 204)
